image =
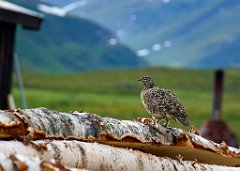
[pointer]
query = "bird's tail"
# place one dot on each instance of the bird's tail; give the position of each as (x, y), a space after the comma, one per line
(185, 122)
(192, 129)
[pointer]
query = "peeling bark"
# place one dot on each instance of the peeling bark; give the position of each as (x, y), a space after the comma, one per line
(95, 156)
(41, 123)
(16, 162)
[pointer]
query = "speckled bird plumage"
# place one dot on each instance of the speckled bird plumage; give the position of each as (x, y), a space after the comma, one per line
(162, 104)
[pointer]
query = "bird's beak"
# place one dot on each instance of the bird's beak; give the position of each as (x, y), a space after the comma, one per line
(140, 79)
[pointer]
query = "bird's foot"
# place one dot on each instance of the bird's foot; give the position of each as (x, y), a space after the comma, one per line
(147, 121)
(166, 123)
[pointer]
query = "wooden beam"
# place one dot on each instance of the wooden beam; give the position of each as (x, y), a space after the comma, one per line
(10, 16)
(7, 37)
(15, 14)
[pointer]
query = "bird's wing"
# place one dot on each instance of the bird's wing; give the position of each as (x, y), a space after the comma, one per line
(160, 96)
(163, 98)
(173, 102)
(176, 108)
(156, 97)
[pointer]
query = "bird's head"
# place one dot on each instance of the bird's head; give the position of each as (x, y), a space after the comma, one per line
(147, 82)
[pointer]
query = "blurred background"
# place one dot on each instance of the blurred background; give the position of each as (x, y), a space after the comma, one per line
(88, 54)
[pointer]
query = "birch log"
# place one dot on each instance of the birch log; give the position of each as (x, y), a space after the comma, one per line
(41, 123)
(16, 162)
(95, 156)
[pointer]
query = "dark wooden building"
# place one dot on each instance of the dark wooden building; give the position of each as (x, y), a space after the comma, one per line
(12, 15)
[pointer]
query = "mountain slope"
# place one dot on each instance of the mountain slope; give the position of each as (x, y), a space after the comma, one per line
(222, 55)
(174, 33)
(67, 44)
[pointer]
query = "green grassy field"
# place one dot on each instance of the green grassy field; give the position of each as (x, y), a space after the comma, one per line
(116, 93)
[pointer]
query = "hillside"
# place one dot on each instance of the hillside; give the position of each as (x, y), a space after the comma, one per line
(67, 44)
(170, 32)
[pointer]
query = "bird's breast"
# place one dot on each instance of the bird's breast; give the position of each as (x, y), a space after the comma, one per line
(150, 103)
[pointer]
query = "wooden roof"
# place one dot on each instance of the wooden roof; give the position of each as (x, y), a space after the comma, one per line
(15, 14)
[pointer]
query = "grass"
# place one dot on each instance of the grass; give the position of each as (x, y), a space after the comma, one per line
(116, 93)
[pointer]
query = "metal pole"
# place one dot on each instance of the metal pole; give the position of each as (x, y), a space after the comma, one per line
(19, 79)
(218, 91)
(215, 129)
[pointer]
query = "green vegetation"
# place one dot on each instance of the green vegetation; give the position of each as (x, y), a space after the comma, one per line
(115, 93)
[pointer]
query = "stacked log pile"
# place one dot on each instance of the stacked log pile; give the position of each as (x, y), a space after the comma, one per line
(41, 139)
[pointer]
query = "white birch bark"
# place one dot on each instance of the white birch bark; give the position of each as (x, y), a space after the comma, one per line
(16, 162)
(41, 123)
(94, 156)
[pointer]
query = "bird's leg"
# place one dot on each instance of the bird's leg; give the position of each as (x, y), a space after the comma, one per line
(166, 123)
(166, 120)
(155, 119)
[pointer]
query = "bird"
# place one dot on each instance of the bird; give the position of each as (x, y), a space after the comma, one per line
(162, 104)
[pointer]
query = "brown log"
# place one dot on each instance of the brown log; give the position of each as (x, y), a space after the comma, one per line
(148, 137)
(16, 162)
(95, 156)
